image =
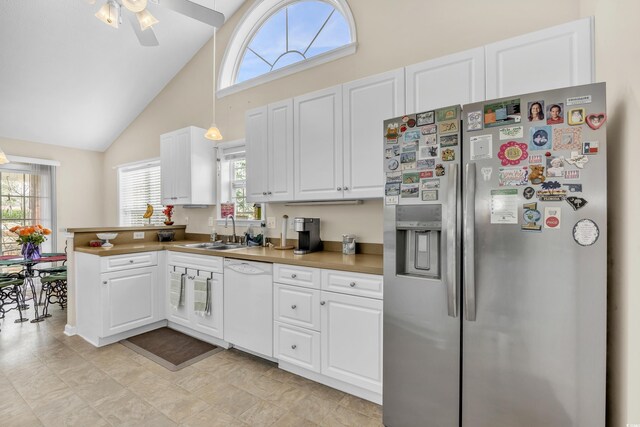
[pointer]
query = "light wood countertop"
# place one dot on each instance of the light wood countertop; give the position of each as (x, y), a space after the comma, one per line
(360, 263)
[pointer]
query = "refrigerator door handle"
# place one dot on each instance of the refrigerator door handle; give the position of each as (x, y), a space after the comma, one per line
(468, 251)
(452, 246)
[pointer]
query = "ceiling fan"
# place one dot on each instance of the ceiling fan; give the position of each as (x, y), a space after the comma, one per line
(142, 21)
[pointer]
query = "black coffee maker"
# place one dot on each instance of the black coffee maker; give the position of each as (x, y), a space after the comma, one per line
(308, 235)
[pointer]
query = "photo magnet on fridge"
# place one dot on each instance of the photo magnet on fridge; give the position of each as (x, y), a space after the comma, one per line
(555, 114)
(555, 167)
(502, 113)
(536, 111)
(567, 139)
(448, 113)
(594, 121)
(576, 116)
(449, 140)
(409, 190)
(540, 138)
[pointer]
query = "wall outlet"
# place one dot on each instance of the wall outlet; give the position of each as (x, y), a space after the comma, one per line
(271, 222)
(138, 234)
(210, 221)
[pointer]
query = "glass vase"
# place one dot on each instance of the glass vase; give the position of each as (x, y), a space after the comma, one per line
(31, 251)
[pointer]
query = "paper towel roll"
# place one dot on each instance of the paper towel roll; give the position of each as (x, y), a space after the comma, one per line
(283, 241)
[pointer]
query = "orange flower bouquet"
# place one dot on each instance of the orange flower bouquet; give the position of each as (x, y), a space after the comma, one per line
(31, 237)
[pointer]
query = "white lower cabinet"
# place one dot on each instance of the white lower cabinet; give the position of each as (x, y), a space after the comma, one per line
(193, 267)
(331, 337)
(351, 331)
(117, 296)
(128, 299)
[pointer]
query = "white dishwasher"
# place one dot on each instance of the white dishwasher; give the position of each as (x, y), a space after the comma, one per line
(248, 305)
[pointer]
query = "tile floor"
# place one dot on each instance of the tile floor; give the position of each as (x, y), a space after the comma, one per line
(50, 379)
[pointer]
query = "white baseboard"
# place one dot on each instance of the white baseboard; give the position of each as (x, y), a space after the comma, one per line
(199, 335)
(331, 382)
(70, 330)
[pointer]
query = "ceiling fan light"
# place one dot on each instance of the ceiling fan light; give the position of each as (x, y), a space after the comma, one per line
(135, 6)
(146, 19)
(109, 13)
(213, 133)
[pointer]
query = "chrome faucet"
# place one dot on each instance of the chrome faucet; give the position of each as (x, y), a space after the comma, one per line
(234, 238)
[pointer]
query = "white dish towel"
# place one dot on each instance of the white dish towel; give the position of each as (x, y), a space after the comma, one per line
(202, 296)
(176, 290)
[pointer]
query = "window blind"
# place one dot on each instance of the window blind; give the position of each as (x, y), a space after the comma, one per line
(138, 185)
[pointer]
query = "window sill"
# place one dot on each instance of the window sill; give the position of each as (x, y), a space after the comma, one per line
(239, 223)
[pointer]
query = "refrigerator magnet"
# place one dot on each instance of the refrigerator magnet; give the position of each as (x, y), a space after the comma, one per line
(536, 174)
(540, 138)
(449, 140)
(511, 177)
(512, 153)
(577, 159)
(448, 154)
(504, 206)
(411, 123)
(391, 200)
(574, 188)
(480, 147)
(552, 216)
(426, 118)
(555, 167)
(429, 129)
(572, 174)
(590, 147)
(392, 152)
(392, 189)
(448, 113)
(439, 170)
(577, 100)
(594, 121)
(486, 173)
(532, 217)
(408, 191)
(586, 232)
(426, 174)
(431, 139)
(511, 132)
(555, 114)
(576, 202)
(430, 184)
(392, 164)
(567, 139)
(448, 127)
(528, 193)
(429, 195)
(576, 116)
(423, 164)
(474, 120)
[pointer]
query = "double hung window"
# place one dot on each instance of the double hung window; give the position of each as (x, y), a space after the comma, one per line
(139, 185)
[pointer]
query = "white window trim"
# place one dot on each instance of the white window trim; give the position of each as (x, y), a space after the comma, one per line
(220, 221)
(251, 22)
(127, 167)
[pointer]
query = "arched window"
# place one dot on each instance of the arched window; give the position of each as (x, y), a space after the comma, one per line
(279, 37)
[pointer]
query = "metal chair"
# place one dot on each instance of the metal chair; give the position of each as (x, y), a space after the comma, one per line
(54, 288)
(10, 295)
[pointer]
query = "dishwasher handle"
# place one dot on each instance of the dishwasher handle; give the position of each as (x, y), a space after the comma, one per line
(245, 268)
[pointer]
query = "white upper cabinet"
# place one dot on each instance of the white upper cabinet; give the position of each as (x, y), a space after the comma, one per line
(280, 151)
(187, 167)
(256, 146)
(552, 58)
(317, 126)
(366, 103)
(453, 79)
(269, 142)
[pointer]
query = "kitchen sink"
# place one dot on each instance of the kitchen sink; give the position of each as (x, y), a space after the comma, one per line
(214, 246)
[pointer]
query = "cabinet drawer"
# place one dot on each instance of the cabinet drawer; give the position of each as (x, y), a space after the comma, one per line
(366, 285)
(299, 276)
(297, 346)
(198, 262)
(297, 306)
(125, 262)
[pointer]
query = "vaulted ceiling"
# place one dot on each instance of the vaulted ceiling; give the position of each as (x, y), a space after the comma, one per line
(68, 79)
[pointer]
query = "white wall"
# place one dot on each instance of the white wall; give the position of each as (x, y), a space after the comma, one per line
(79, 182)
(618, 64)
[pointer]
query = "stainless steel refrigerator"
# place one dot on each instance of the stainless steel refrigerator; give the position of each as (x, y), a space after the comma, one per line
(495, 263)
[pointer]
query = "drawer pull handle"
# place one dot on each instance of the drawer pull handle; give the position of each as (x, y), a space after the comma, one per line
(294, 346)
(322, 302)
(293, 306)
(352, 284)
(293, 276)
(104, 282)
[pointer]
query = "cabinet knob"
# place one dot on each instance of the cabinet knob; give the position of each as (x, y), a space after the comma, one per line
(346, 188)
(339, 188)
(264, 193)
(322, 302)
(269, 193)
(293, 306)
(130, 261)
(104, 282)
(352, 284)
(294, 346)
(293, 276)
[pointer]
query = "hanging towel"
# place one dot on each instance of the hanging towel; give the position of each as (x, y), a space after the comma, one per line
(176, 290)
(202, 296)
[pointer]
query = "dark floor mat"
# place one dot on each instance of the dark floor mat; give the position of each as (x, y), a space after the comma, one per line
(171, 349)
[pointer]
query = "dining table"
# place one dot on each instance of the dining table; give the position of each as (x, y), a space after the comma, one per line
(28, 273)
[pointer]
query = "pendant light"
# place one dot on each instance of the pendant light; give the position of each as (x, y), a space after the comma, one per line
(109, 13)
(213, 133)
(3, 158)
